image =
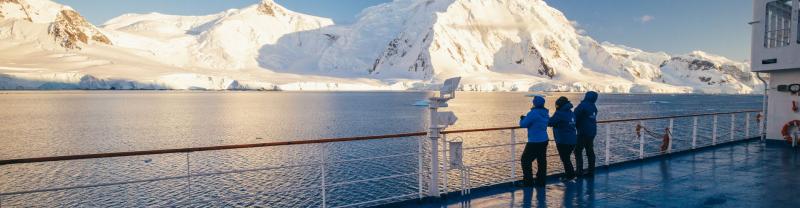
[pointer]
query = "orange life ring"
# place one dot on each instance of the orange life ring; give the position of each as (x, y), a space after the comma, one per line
(786, 127)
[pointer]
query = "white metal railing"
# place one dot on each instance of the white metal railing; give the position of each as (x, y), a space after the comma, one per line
(323, 187)
(610, 132)
(620, 141)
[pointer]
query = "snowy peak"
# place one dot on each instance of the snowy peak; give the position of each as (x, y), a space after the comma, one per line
(66, 26)
(268, 7)
(70, 29)
(494, 45)
(702, 68)
(509, 36)
(423, 39)
(699, 71)
(228, 40)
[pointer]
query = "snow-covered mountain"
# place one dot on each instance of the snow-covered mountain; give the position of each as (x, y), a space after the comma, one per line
(228, 40)
(63, 24)
(503, 45)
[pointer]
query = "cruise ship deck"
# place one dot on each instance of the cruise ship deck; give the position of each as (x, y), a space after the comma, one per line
(702, 160)
(749, 173)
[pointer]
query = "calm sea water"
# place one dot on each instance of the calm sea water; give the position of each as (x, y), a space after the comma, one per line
(36, 124)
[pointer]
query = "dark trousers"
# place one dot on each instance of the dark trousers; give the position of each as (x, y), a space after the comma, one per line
(565, 152)
(585, 143)
(534, 151)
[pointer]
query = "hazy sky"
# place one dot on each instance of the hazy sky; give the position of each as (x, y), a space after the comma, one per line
(673, 26)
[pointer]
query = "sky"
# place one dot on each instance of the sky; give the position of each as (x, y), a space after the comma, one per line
(673, 26)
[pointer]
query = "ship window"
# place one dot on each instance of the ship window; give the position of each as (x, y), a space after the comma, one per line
(778, 23)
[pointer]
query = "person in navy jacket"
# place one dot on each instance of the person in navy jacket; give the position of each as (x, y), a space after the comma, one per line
(563, 123)
(586, 122)
(536, 148)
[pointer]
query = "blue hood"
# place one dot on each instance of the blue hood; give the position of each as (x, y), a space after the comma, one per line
(565, 106)
(591, 97)
(538, 102)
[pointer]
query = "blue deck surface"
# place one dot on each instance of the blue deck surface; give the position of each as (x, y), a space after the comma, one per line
(744, 174)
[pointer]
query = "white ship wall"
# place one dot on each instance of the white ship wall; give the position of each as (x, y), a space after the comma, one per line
(780, 103)
(785, 56)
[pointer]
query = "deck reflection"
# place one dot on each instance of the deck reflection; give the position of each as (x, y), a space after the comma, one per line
(747, 174)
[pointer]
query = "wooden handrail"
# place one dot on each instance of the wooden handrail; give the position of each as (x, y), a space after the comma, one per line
(287, 143)
(198, 149)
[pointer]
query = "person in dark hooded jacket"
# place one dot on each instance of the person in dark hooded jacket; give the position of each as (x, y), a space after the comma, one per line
(536, 148)
(563, 123)
(586, 122)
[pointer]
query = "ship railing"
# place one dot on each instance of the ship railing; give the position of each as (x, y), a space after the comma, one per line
(617, 141)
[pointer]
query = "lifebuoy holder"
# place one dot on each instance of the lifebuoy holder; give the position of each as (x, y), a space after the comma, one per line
(787, 130)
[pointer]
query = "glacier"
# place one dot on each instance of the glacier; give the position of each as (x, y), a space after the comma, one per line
(503, 45)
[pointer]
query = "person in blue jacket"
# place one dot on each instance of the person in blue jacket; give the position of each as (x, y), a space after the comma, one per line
(536, 148)
(563, 123)
(586, 122)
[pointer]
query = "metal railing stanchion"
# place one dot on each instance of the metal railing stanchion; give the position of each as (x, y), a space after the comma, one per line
(641, 142)
(513, 155)
(608, 142)
(762, 126)
(189, 194)
(747, 126)
(419, 166)
(323, 160)
(714, 132)
(446, 157)
(733, 125)
(671, 138)
(694, 133)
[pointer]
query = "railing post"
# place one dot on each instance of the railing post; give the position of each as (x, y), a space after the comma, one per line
(323, 172)
(669, 142)
(714, 132)
(694, 133)
(733, 125)
(608, 142)
(641, 142)
(762, 126)
(513, 155)
(433, 183)
(747, 126)
(189, 194)
(419, 166)
(446, 157)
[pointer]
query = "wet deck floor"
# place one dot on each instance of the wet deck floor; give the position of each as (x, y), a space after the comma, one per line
(746, 174)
